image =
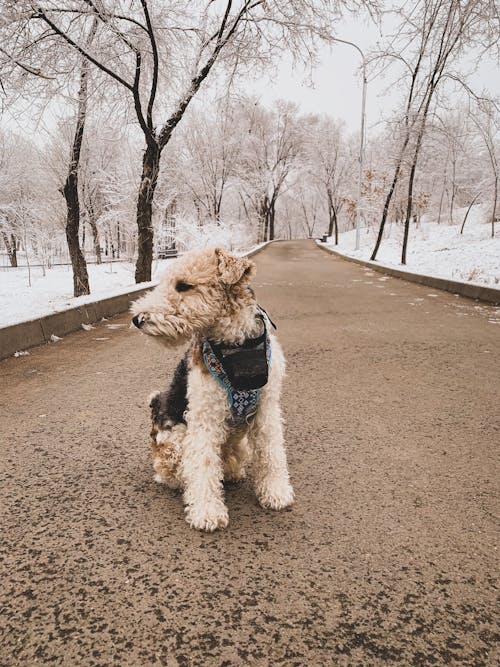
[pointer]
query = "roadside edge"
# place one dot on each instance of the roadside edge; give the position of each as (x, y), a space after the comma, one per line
(468, 290)
(24, 335)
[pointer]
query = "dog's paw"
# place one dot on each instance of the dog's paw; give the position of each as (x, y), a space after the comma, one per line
(235, 477)
(169, 481)
(209, 518)
(276, 495)
(234, 474)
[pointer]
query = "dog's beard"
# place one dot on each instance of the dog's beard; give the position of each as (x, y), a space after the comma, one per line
(168, 331)
(170, 326)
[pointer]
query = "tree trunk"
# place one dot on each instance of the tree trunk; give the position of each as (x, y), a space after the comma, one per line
(263, 219)
(331, 221)
(418, 146)
(453, 190)
(467, 213)
(272, 215)
(260, 228)
(333, 226)
(14, 250)
(441, 200)
(70, 189)
(408, 209)
(266, 226)
(10, 245)
(95, 240)
(173, 222)
(494, 212)
(331, 213)
(387, 204)
(149, 179)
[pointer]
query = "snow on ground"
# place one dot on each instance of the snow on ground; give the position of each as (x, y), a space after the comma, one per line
(436, 249)
(53, 292)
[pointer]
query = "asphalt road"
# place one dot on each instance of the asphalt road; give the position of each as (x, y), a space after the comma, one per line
(389, 555)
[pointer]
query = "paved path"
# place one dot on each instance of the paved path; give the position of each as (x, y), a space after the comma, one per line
(389, 555)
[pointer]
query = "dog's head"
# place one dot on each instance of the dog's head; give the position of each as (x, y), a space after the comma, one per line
(198, 290)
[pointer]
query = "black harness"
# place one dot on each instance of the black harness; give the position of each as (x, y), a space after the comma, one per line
(241, 370)
(246, 365)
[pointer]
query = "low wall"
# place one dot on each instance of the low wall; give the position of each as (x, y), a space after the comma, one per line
(469, 290)
(24, 335)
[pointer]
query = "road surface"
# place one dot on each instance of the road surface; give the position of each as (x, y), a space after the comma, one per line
(389, 555)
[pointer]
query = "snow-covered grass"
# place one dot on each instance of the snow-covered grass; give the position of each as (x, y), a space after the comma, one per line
(436, 249)
(53, 292)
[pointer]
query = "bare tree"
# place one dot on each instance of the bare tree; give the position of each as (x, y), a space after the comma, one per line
(21, 198)
(329, 162)
(273, 141)
(473, 201)
(8, 193)
(70, 188)
(442, 31)
(488, 127)
(206, 155)
(309, 203)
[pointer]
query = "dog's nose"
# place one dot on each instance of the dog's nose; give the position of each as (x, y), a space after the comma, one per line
(138, 321)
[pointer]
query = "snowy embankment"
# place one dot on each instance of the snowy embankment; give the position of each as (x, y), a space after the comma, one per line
(53, 292)
(437, 250)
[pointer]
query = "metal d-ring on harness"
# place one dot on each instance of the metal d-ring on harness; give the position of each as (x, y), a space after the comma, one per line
(241, 370)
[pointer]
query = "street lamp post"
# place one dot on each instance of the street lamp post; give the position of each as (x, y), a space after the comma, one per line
(362, 139)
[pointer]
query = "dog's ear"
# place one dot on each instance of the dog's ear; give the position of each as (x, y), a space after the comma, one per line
(233, 269)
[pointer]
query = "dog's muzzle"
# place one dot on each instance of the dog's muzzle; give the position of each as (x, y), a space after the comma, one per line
(138, 321)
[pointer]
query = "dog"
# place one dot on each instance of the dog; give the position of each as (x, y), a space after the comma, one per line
(221, 413)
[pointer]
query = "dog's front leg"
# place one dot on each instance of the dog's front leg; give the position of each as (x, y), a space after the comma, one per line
(270, 470)
(203, 476)
(202, 467)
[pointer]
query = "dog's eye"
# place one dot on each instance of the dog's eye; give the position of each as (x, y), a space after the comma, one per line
(183, 287)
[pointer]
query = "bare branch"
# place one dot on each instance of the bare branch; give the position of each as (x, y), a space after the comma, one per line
(40, 14)
(154, 47)
(25, 68)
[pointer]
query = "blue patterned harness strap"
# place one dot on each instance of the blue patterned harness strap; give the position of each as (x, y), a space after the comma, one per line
(243, 402)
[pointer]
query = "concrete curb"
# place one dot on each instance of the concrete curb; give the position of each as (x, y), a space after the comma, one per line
(251, 253)
(24, 335)
(469, 290)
